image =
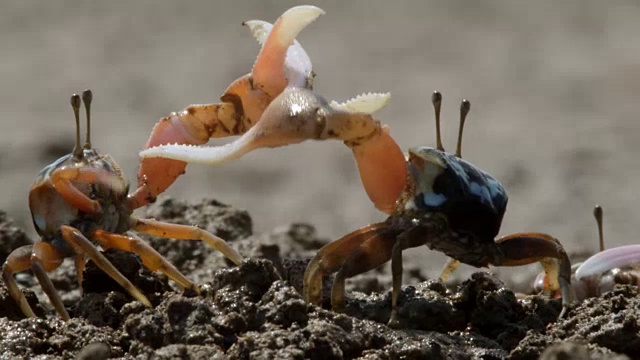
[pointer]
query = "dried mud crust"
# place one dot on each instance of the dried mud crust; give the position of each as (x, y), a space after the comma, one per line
(256, 310)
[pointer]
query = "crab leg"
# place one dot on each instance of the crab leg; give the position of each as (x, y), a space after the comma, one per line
(299, 114)
(45, 257)
(185, 232)
(449, 268)
(332, 256)
(63, 179)
(19, 260)
(81, 245)
(150, 257)
(375, 250)
(40, 258)
(242, 103)
(526, 248)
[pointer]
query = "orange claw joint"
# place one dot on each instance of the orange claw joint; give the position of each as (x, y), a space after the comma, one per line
(382, 169)
(299, 114)
(281, 63)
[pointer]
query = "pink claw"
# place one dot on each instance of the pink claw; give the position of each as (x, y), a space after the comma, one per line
(278, 65)
(297, 115)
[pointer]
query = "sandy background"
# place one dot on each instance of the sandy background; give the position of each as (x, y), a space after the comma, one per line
(554, 91)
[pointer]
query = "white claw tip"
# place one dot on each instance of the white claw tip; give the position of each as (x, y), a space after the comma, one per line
(306, 12)
(365, 103)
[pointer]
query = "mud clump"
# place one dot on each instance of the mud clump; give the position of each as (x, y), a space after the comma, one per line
(256, 310)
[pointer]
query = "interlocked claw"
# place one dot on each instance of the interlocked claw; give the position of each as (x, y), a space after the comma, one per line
(449, 205)
(274, 106)
(433, 198)
(81, 201)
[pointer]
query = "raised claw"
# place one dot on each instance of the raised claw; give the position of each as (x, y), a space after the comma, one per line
(278, 65)
(297, 115)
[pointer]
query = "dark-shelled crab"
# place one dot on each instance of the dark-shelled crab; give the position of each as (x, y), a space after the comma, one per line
(434, 198)
(81, 200)
(449, 205)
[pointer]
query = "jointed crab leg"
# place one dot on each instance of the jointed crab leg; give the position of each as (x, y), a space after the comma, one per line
(81, 245)
(40, 258)
(19, 260)
(62, 180)
(185, 232)
(332, 257)
(242, 103)
(527, 248)
(150, 257)
(45, 257)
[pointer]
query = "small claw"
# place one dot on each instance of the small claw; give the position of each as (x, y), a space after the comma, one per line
(366, 103)
(269, 72)
(609, 259)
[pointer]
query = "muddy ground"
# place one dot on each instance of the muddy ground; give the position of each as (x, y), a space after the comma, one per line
(256, 310)
(553, 90)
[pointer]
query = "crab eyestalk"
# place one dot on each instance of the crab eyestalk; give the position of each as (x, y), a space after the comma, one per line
(609, 259)
(87, 96)
(436, 100)
(465, 106)
(597, 213)
(75, 104)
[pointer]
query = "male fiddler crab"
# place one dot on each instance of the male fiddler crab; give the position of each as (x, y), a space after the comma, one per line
(81, 200)
(602, 271)
(272, 106)
(433, 198)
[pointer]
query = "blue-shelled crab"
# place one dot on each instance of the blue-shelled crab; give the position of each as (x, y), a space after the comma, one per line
(433, 198)
(449, 205)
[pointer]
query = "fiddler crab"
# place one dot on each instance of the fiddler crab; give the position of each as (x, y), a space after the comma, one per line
(81, 200)
(433, 198)
(602, 271)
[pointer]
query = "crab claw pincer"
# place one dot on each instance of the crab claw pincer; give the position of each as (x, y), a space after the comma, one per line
(298, 114)
(281, 63)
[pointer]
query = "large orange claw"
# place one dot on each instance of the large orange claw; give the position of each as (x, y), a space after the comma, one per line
(282, 63)
(299, 114)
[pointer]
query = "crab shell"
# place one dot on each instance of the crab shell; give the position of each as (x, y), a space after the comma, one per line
(472, 200)
(49, 211)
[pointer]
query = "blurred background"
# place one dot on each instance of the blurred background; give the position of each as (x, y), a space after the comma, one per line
(554, 89)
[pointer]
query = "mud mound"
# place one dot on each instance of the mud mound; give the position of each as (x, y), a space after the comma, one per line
(256, 310)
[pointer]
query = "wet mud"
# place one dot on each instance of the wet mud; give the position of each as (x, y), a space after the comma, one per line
(255, 311)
